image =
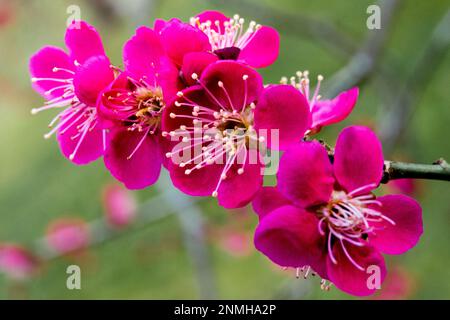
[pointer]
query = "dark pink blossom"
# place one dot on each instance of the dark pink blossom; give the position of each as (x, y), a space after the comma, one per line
(71, 82)
(226, 38)
(119, 205)
(219, 121)
(133, 105)
(324, 215)
(323, 112)
(17, 262)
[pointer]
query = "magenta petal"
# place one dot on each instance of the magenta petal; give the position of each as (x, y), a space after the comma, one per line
(305, 175)
(43, 64)
(326, 112)
(289, 237)
(201, 182)
(358, 159)
(347, 277)
(83, 41)
(143, 168)
(91, 78)
(404, 235)
(196, 62)
(159, 25)
(213, 16)
(225, 81)
(91, 147)
(263, 49)
(180, 38)
(141, 54)
(282, 108)
(238, 190)
(267, 200)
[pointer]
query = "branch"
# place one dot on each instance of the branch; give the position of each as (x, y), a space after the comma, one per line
(401, 170)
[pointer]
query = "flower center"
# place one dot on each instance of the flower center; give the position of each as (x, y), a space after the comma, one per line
(149, 108)
(350, 217)
(222, 135)
(228, 34)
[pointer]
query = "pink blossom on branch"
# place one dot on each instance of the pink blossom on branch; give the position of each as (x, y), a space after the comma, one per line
(71, 82)
(219, 122)
(132, 107)
(323, 215)
(67, 235)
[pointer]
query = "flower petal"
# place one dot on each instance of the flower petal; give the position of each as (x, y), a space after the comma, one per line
(282, 108)
(180, 38)
(263, 48)
(43, 64)
(305, 175)
(358, 159)
(83, 42)
(404, 235)
(196, 62)
(348, 278)
(267, 200)
(91, 147)
(289, 237)
(213, 16)
(225, 82)
(92, 78)
(143, 168)
(326, 112)
(238, 190)
(142, 53)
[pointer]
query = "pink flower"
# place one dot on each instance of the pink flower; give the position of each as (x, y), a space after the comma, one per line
(67, 235)
(324, 215)
(323, 112)
(133, 105)
(71, 82)
(220, 121)
(119, 205)
(17, 262)
(226, 38)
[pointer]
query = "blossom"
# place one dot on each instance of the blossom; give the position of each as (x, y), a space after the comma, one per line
(132, 106)
(224, 37)
(323, 215)
(71, 82)
(67, 235)
(323, 112)
(119, 206)
(16, 261)
(221, 123)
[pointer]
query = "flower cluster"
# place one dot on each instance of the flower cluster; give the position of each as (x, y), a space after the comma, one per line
(189, 98)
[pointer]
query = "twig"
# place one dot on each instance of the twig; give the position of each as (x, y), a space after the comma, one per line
(402, 170)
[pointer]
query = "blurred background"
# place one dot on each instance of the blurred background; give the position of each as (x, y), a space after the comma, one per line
(172, 247)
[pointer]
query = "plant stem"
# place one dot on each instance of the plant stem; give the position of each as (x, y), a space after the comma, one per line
(402, 170)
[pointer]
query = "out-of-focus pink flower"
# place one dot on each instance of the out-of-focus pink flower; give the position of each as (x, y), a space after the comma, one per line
(220, 122)
(403, 186)
(323, 112)
(119, 206)
(324, 215)
(237, 244)
(72, 82)
(7, 12)
(68, 235)
(399, 285)
(17, 262)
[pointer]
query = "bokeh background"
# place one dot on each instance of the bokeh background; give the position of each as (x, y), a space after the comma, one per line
(198, 250)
